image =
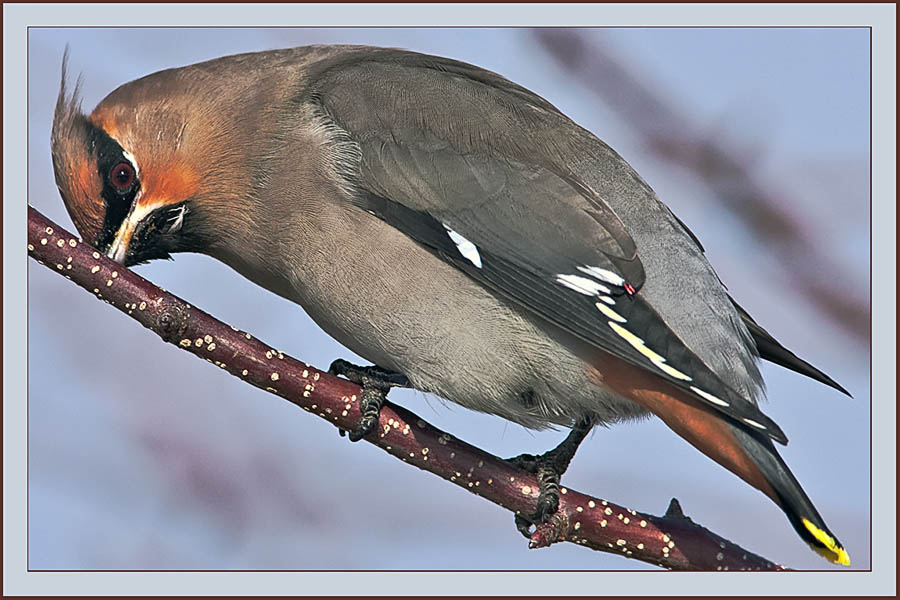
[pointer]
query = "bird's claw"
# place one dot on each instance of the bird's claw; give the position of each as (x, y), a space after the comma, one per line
(376, 383)
(548, 485)
(548, 468)
(370, 403)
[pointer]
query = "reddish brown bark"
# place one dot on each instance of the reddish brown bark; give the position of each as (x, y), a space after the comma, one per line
(671, 541)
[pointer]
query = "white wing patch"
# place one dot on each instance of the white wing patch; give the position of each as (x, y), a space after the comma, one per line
(465, 247)
(753, 423)
(603, 275)
(582, 285)
(709, 397)
(589, 286)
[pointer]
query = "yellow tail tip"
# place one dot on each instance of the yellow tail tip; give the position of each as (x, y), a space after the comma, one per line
(832, 550)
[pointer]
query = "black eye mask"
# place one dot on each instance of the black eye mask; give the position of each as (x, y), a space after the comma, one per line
(120, 184)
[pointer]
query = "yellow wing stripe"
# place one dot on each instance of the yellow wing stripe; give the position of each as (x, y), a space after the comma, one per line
(610, 313)
(655, 358)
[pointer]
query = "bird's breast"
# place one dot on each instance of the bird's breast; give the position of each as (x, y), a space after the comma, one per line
(394, 303)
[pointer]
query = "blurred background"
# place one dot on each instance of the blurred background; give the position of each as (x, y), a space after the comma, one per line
(141, 457)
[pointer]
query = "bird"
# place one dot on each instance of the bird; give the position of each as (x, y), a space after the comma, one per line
(451, 227)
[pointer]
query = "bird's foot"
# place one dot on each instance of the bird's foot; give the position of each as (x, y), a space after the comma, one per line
(548, 468)
(543, 467)
(375, 383)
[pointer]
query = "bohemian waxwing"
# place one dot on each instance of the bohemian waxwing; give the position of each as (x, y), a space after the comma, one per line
(451, 227)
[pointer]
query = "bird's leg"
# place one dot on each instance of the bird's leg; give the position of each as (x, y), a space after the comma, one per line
(376, 383)
(548, 468)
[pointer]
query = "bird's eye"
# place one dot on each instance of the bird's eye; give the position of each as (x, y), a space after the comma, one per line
(122, 176)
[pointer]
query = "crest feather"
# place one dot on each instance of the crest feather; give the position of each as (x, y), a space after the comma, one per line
(78, 182)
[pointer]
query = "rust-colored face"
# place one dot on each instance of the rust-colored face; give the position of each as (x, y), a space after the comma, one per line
(170, 162)
(127, 198)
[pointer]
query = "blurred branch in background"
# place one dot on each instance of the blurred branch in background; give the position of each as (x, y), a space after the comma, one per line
(667, 132)
(672, 541)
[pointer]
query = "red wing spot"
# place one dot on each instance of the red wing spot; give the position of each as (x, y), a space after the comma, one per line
(629, 289)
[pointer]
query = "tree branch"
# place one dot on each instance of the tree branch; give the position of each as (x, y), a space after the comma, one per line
(671, 541)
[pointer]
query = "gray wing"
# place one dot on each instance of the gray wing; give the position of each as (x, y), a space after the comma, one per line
(769, 348)
(478, 170)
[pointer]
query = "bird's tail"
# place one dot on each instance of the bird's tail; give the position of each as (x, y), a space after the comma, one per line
(791, 497)
(747, 453)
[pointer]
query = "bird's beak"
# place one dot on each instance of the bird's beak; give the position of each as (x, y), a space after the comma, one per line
(119, 247)
(138, 212)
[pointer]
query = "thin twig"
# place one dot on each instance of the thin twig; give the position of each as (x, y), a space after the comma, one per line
(672, 541)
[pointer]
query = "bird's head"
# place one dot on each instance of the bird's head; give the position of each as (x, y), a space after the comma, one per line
(140, 175)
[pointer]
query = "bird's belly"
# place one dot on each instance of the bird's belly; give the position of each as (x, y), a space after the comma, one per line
(424, 318)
